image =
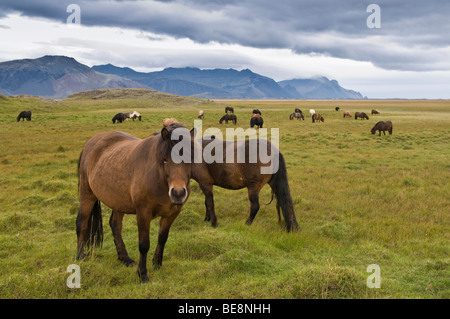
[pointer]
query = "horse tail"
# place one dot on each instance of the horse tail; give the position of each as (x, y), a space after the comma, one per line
(280, 187)
(95, 226)
(94, 232)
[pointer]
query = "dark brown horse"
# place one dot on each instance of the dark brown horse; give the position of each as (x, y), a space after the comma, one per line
(24, 115)
(251, 172)
(228, 117)
(317, 118)
(375, 112)
(362, 115)
(382, 126)
(256, 120)
(154, 186)
(229, 109)
(296, 115)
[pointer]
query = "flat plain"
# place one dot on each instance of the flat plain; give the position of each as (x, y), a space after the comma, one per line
(360, 199)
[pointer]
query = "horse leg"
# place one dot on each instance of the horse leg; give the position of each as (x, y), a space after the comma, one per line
(143, 222)
(115, 221)
(209, 204)
(163, 234)
(253, 196)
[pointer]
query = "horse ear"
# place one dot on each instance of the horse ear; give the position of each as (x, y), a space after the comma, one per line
(165, 134)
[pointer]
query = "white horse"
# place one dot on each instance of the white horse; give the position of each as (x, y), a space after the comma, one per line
(135, 115)
(201, 114)
(312, 111)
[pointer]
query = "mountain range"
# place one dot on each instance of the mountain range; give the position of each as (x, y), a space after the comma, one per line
(59, 76)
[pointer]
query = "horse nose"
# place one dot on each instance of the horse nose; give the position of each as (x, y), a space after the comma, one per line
(178, 195)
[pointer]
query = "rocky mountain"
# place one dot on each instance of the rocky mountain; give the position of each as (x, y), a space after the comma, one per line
(318, 88)
(59, 76)
(230, 83)
(217, 83)
(55, 77)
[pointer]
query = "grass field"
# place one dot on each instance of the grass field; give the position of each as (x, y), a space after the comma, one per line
(360, 199)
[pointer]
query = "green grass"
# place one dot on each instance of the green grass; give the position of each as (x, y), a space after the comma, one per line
(360, 199)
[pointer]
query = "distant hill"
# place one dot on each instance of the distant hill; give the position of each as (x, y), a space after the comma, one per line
(319, 88)
(58, 77)
(217, 83)
(230, 83)
(55, 77)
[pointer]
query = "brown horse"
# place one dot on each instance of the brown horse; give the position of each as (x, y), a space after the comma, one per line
(347, 113)
(228, 117)
(154, 186)
(375, 112)
(201, 114)
(296, 115)
(317, 118)
(382, 126)
(362, 115)
(245, 173)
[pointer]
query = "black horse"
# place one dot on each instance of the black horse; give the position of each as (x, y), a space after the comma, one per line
(256, 120)
(228, 117)
(229, 109)
(120, 117)
(24, 115)
(256, 111)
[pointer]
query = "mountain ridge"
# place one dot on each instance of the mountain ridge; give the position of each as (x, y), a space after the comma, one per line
(60, 76)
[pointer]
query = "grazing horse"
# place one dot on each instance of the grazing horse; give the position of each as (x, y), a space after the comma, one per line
(337, 108)
(155, 186)
(296, 115)
(229, 109)
(375, 112)
(312, 111)
(297, 110)
(362, 115)
(135, 115)
(256, 120)
(317, 118)
(245, 173)
(228, 117)
(382, 126)
(201, 114)
(24, 115)
(347, 113)
(126, 116)
(119, 117)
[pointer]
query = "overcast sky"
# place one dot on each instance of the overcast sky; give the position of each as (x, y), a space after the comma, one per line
(407, 57)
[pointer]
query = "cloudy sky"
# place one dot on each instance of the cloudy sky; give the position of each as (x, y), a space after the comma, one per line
(407, 57)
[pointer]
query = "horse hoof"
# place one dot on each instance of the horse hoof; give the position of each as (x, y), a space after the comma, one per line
(144, 278)
(128, 262)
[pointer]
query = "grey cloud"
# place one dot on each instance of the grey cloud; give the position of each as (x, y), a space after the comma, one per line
(414, 34)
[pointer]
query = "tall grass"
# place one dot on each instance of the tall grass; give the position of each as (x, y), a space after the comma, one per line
(360, 199)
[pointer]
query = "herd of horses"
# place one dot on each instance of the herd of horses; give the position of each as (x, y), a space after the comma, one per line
(158, 186)
(381, 126)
